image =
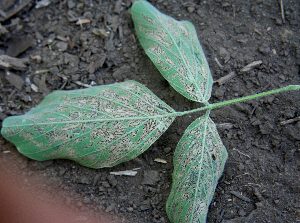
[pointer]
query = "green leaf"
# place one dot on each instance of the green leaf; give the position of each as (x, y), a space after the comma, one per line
(97, 127)
(199, 161)
(175, 50)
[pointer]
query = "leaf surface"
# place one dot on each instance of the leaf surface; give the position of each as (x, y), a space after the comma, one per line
(97, 127)
(175, 50)
(199, 161)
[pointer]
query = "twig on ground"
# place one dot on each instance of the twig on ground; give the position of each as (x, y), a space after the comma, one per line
(242, 197)
(82, 84)
(251, 66)
(289, 121)
(159, 160)
(132, 172)
(233, 9)
(14, 10)
(41, 71)
(64, 84)
(7, 62)
(282, 10)
(226, 78)
(242, 153)
(218, 63)
(257, 31)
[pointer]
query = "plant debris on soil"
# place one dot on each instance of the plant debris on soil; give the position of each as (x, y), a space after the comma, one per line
(65, 45)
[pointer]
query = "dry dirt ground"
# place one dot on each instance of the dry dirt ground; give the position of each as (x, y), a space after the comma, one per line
(261, 181)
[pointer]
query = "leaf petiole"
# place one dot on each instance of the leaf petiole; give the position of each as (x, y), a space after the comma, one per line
(224, 103)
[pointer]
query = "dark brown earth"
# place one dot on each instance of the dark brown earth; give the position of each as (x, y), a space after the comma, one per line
(261, 181)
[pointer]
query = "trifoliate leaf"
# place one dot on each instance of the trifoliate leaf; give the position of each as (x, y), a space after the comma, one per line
(97, 127)
(199, 161)
(175, 50)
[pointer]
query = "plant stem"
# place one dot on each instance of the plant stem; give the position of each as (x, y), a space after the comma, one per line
(224, 103)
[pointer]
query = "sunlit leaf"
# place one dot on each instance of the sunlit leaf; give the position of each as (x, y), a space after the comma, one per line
(174, 48)
(97, 127)
(198, 164)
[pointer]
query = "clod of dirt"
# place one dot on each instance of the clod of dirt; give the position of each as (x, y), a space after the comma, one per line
(109, 45)
(3, 30)
(224, 54)
(110, 207)
(6, 4)
(40, 82)
(10, 8)
(101, 32)
(61, 46)
(219, 93)
(266, 128)
(86, 200)
(14, 79)
(96, 63)
(292, 132)
(242, 212)
(71, 4)
(105, 184)
(37, 165)
(19, 45)
(264, 49)
(112, 180)
(167, 149)
(145, 207)
(151, 177)
(121, 72)
(118, 7)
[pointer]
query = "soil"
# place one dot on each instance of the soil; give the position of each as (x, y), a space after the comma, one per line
(261, 180)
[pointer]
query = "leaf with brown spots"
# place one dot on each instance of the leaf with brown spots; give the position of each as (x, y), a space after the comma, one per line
(175, 50)
(97, 127)
(199, 160)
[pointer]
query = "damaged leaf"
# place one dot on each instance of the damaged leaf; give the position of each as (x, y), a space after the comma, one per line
(97, 127)
(199, 161)
(174, 48)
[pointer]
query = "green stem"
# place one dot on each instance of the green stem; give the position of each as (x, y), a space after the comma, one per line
(224, 103)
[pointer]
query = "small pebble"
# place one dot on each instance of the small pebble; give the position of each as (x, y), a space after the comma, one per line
(191, 9)
(130, 209)
(102, 189)
(242, 213)
(110, 208)
(71, 4)
(105, 184)
(167, 149)
(145, 207)
(86, 200)
(112, 180)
